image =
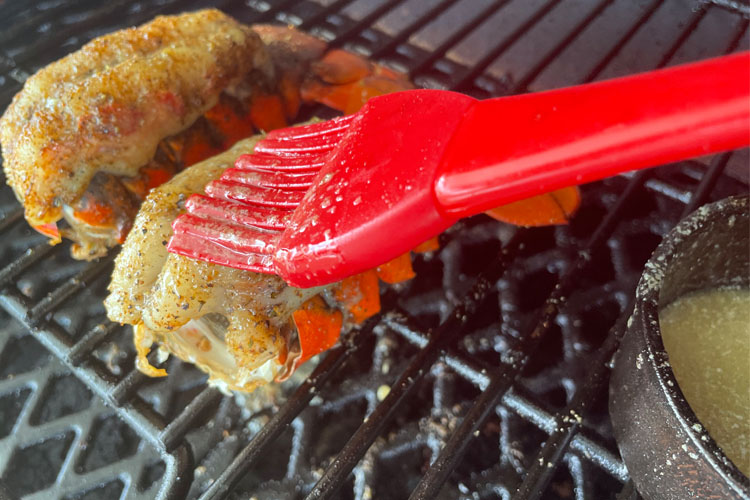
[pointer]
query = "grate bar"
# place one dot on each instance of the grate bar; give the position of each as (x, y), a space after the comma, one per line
(364, 23)
(115, 394)
(45, 44)
(178, 464)
(459, 35)
(448, 331)
(45, 16)
(28, 259)
(412, 28)
(565, 426)
(719, 162)
(18, 305)
(522, 85)
(177, 428)
(694, 21)
(478, 68)
(731, 5)
(259, 16)
(127, 387)
(708, 182)
(10, 218)
(323, 14)
(69, 288)
(596, 453)
(98, 476)
(515, 399)
(568, 423)
(78, 351)
(36, 51)
(501, 380)
(270, 13)
(12, 11)
(647, 14)
(430, 484)
(282, 418)
(178, 474)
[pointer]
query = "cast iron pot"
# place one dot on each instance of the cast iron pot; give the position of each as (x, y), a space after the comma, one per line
(668, 453)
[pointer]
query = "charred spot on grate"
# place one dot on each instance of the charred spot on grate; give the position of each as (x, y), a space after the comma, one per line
(77, 398)
(110, 440)
(35, 466)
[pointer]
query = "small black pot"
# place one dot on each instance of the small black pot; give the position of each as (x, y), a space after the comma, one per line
(667, 452)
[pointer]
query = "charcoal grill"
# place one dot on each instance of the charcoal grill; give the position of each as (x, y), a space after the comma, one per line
(485, 377)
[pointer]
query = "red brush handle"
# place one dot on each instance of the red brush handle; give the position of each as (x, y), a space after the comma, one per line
(511, 148)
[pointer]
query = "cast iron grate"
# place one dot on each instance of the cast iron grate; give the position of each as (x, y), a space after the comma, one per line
(485, 378)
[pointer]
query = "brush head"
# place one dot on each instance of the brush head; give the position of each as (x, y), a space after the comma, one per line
(343, 196)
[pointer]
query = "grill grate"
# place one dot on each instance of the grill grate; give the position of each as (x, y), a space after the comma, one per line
(486, 377)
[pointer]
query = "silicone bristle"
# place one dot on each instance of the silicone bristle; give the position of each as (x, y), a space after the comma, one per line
(255, 196)
(237, 237)
(314, 146)
(216, 253)
(337, 126)
(264, 218)
(270, 180)
(273, 163)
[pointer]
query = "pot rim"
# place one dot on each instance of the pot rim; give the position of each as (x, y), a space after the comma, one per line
(647, 310)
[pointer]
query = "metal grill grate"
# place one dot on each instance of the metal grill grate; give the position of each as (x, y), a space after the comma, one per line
(485, 378)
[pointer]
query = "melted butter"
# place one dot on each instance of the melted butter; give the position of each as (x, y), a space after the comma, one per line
(707, 337)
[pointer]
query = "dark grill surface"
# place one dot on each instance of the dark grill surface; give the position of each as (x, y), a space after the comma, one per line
(486, 376)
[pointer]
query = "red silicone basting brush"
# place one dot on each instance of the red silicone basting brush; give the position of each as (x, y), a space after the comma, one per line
(321, 202)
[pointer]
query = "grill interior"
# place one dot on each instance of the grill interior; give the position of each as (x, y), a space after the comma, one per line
(485, 377)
